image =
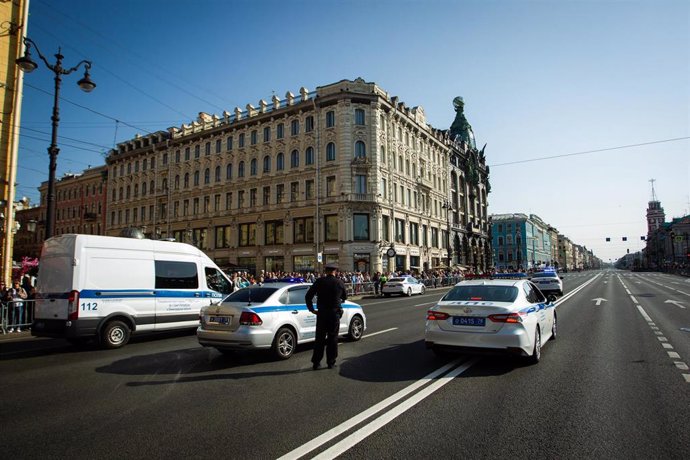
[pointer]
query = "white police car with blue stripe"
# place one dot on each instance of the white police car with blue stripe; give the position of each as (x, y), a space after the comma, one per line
(272, 315)
(493, 314)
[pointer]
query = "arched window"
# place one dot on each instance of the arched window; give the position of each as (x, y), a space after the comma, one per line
(228, 171)
(217, 176)
(143, 189)
(196, 177)
(267, 164)
(309, 156)
(252, 167)
(165, 184)
(240, 169)
(294, 159)
(360, 150)
(280, 162)
(136, 190)
(186, 180)
(177, 182)
(383, 155)
(152, 187)
(207, 176)
(330, 151)
(400, 163)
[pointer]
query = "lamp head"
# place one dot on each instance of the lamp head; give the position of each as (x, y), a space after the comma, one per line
(85, 83)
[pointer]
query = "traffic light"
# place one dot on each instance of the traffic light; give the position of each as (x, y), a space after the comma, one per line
(643, 238)
(625, 238)
(608, 239)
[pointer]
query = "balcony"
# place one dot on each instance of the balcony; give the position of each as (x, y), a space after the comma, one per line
(424, 183)
(359, 197)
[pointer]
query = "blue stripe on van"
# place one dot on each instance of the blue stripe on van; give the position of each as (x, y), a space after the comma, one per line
(133, 293)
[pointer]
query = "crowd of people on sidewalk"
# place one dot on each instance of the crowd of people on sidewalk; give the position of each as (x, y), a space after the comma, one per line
(13, 305)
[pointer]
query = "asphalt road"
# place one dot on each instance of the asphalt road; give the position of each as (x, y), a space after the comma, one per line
(615, 384)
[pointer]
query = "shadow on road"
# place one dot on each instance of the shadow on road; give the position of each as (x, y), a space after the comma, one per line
(398, 363)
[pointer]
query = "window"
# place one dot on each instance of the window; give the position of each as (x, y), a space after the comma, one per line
(267, 164)
(176, 275)
(197, 151)
(195, 206)
(252, 198)
(304, 230)
(223, 236)
(399, 231)
(280, 192)
(360, 150)
(294, 127)
(186, 184)
(207, 149)
(196, 178)
(240, 199)
(414, 234)
(228, 171)
(247, 234)
(330, 119)
(294, 191)
(359, 117)
(253, 167)
(216, 202)
(217, 175)
(207, 204)
(361, 227)
(218, 145)
(434, 238)
(330, 152)
(280, 131)
(294, 159)
(207, 176)
(274, 232)
(228, 143)
(385, 228)
(330, 186)
(240, 169)
(360, 184)
(331, 227)
(177, 182)
(241, 141)
(280, 162)
(186, 154)
(267, 196)
(309, 124)
(309, 189)
(267, 133)
(309, 156)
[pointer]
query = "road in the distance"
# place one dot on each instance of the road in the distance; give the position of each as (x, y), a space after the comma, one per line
(605, 388)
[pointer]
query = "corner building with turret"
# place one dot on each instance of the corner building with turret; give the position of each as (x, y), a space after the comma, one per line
(345, 174)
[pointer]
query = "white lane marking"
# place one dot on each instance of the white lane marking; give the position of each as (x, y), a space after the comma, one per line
(634, 299)
(575, 291)
(373, 410)
(686, 377)
(667, 346)
(379, 332)
(365, 431)
(644, 314)
(673, 354)
(681, 365)
(662, 339)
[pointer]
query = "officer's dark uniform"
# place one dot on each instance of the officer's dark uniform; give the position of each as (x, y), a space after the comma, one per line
(330, 292)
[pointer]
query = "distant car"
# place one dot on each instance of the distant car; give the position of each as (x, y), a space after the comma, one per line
(497, 315)
(273, 316)
(548, 282)
(403, 285)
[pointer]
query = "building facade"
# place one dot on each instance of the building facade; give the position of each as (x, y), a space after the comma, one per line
(345, 174)
(521, 242)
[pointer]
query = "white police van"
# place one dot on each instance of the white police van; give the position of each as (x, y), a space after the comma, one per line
(104, 287)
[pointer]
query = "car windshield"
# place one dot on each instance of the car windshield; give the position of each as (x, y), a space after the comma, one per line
(482, 293)
(251, 294)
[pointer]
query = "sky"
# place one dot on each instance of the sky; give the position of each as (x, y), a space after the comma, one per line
(580, 103)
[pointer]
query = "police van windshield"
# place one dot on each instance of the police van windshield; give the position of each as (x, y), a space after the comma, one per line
(482, 293)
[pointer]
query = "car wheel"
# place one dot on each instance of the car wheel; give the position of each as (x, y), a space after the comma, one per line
(284, 343)
(115, 334)
(409, 292)
(554, 328)
(356, 329)
(536, 353)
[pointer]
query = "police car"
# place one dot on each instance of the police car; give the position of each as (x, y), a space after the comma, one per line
(548, 282)
(496, 314)
(272, 315)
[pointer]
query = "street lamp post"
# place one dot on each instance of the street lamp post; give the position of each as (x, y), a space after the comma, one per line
(26, 64)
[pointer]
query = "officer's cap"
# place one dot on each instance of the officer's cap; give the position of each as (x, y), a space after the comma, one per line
(331, 267)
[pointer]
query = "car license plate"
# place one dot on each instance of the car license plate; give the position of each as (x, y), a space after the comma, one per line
(225, 320)
(468, 321)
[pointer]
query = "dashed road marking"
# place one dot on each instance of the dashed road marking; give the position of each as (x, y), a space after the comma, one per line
(379, 332)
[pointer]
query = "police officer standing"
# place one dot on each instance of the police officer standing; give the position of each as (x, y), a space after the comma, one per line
(331, 293)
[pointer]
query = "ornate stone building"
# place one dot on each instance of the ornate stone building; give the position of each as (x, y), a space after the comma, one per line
(345, 174)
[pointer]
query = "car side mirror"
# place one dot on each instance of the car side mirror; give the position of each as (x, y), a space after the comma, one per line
(560, 277)
(551, 298)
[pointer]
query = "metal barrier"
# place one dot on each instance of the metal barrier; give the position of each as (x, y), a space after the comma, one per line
(17, 315)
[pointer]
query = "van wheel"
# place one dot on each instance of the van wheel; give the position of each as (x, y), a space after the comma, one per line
(115, 334)
(284, 343)
(356, 328)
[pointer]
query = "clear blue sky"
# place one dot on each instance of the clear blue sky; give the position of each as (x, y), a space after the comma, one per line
(539, 78)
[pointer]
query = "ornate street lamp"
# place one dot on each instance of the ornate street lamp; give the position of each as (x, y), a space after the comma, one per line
(26, 64)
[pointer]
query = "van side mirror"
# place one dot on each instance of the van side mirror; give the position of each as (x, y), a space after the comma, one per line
(551, 298)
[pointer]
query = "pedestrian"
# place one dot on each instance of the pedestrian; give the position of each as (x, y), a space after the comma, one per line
(382, 282)
(15, 295)
(375, 279)
(331, 293)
